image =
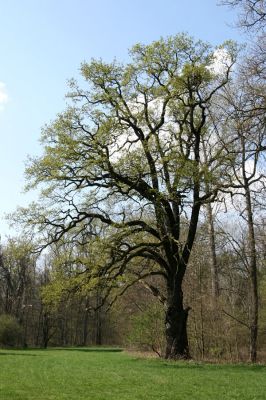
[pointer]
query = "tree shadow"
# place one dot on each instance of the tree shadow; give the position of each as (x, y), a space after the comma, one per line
(89, 349)
(210, 368)
(10, 353)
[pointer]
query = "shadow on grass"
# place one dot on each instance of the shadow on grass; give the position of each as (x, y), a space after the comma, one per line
(88, 349)
(10, 353)
(228, 368)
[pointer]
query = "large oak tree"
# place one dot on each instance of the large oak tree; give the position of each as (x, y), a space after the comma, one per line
(124, 173)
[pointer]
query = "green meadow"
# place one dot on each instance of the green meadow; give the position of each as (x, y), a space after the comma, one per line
(110, 374)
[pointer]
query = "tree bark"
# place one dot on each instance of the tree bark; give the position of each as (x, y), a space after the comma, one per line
(45, 331)
(253, 278)
(211, 235)
(85, 323)
(176, 327)
(213, 258)
(252, 259)
(98, 320)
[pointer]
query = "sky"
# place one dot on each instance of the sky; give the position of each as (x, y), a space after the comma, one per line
(43, 43)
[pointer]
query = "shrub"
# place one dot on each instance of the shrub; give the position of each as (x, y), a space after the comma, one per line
(10, 331)
(147, 330)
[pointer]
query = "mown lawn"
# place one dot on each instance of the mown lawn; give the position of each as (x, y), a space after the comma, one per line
(94, 374)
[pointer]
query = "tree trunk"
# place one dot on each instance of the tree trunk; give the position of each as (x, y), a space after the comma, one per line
(45, 331)
(252, 260)
(85, 329)
(98, 320)
(253, 278)
(98, 339)
(213, 258)
(211, 234)
(176, 328)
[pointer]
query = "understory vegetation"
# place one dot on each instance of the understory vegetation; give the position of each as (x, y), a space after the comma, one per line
(217, 329)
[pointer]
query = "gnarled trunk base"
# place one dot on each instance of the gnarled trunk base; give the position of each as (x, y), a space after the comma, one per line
(176, 333)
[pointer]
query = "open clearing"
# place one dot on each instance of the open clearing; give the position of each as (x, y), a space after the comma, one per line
(108, 374)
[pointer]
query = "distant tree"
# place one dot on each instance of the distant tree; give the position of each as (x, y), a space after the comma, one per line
(252, 13)
(17, 270)
(247, 118)
(246, 122)
(252, 18)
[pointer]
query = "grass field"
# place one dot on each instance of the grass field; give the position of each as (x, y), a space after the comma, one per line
(94, 374)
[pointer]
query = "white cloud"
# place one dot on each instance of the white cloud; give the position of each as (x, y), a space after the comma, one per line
(221, 61)
(3, 96)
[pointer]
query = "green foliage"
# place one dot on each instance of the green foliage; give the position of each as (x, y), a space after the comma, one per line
(18, 254)
(127, 115)
(10, 331)
(147, 329)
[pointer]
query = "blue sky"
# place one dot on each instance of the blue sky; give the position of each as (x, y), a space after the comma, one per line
(42, 45)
